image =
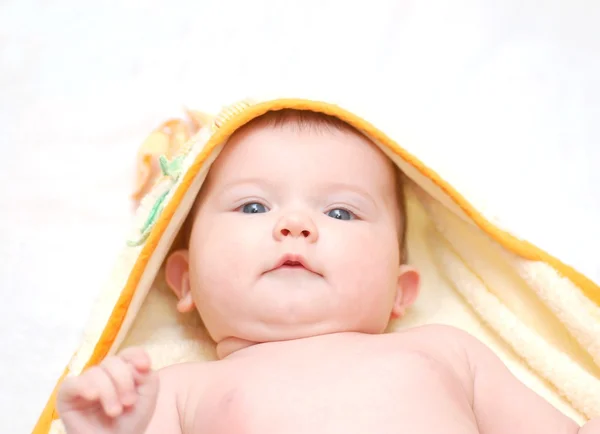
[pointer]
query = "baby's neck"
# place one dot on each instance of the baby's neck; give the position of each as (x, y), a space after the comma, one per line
(233, 346)
(228, 346)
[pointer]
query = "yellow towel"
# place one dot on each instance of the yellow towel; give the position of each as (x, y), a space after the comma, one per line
(541, 316)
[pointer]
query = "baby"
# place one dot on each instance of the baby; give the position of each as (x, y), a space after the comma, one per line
(294, 260)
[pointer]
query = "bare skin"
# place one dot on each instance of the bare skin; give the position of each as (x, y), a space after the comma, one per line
(287, 223)
(426, 380)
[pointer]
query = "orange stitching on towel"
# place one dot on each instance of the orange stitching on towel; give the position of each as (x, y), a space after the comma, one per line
(228, 112)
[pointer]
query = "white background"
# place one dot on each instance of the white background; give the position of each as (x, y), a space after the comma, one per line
(506, 95)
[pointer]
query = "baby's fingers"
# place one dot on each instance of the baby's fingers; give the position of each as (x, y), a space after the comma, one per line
(75, 388)
(138, 358)
(121, 375)
(102, 385)
(84, 391)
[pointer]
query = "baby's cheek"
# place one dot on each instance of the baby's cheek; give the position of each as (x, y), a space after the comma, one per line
(372, 248)
(228, 255)
(369, 263)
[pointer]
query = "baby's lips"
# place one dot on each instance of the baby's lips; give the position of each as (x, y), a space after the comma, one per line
(296, 260)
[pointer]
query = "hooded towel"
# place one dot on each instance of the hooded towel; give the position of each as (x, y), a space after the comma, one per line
(540, 315)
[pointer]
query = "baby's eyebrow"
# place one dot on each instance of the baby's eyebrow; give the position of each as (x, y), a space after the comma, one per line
(329, 188)
(355, 189)
(243, 182)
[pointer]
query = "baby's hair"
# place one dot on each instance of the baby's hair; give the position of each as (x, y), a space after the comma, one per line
(302, 120)
(305, 120)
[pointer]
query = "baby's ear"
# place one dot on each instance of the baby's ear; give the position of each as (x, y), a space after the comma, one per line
(177, 275)
(409, 281)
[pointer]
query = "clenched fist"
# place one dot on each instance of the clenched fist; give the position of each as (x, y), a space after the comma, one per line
(117, 396)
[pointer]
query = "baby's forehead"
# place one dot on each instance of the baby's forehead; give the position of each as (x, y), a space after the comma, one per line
(300, 148)
(290, 140)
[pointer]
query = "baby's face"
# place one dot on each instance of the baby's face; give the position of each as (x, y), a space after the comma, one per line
(296, 236)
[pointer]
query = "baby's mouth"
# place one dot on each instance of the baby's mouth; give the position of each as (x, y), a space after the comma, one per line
(292, 266)
(293, 263)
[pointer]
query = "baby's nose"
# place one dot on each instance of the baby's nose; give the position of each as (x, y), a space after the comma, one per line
(296, 225)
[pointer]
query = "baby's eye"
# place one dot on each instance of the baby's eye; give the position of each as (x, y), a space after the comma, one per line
(341, 214)
(253, 208)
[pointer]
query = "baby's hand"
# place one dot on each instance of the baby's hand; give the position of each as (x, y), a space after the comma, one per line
(118, 396)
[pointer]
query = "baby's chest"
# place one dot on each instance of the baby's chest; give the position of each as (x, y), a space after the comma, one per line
(331, 396)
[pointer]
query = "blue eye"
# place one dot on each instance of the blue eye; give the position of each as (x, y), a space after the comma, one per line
(340, 214)
(254, 208)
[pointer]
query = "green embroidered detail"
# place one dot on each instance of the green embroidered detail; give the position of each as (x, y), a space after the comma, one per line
(149, 223)
(172, 168)
(139, 241)
(155, 211)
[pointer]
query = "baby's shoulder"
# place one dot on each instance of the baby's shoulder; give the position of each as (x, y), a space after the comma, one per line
(192, 386)
(186, 372)
(440, 333)
(181, 378)
(458, 340)
(188, 382)
(450, 350)
(444, 343)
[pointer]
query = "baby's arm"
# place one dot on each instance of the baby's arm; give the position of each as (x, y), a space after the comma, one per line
(502, 404)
